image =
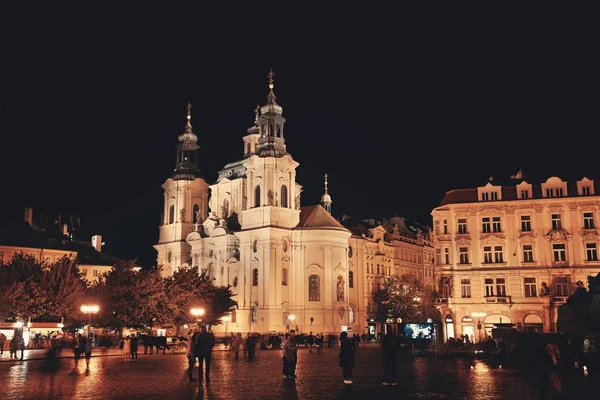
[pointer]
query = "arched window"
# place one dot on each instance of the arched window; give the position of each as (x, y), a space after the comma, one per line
(284, 196)
(284, 277)
(314, 288)
(351, 314)
(249, 148)
(254, 313)
(257, 196)
(171, 214)
(255, 277)
(235, 281)
(350, 279)
(196, 214)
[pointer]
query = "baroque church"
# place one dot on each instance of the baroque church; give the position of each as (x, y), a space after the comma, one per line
(288, 265)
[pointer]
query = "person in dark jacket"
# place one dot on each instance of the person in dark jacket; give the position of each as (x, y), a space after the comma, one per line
(390, 344)
(203, 348)
(190, 353)
(346, 357)
(134, 347)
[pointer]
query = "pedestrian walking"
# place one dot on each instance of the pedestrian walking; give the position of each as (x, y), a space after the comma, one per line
(290, 355)
(204, 344)
(77, 341)
(346, 357)
(88, 352)
(319, 343)
(391, 345)
(2, 341)
(190, 353)
(251, 346)
(235, 346)
(310, 340)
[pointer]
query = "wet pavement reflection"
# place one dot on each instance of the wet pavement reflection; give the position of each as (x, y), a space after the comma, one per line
(319, 377)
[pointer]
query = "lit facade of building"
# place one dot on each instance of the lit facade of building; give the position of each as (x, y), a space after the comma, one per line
(513, 253)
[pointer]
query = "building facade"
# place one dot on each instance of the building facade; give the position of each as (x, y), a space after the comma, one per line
(512, 252)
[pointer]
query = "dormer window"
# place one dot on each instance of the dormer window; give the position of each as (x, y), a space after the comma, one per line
(489, 192)
(524, 190)
(554, 187)
(585, 187)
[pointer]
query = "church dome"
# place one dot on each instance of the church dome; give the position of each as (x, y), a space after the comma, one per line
(326, 198)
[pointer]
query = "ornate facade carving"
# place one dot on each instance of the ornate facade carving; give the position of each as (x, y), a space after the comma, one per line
(527, 237)
(492, 238)
(538, 208)
(558, 236)
(492, 211)
(463, 240)
(558, 209)
(510, 209)
(589, 235)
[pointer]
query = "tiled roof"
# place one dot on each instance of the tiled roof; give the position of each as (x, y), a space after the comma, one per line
(316, 217)
(509, 193)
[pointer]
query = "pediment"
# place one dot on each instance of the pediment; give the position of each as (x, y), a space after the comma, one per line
(491, 211)
(463, 241)
(492, 239)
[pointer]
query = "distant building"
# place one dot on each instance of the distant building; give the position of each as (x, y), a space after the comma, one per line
(513, 252)
(51, 242)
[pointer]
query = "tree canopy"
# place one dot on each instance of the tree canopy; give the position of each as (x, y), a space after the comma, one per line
(405, 297)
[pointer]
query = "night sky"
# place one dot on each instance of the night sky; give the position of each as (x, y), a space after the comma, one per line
(397, 108)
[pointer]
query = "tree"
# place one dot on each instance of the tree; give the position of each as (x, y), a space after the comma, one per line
(405, 297)
(187, 289)
(128, 298)
(64, 286)
(21, 295)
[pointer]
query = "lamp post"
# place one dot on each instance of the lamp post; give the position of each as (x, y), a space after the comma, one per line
(198, 313)
(478, 315)
(291, 317)
(89, 310)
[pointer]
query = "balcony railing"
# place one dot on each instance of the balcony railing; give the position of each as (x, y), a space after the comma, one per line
(498, 299)
(560, 299)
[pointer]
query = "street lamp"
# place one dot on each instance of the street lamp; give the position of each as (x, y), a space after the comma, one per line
(89, 310)
(198, 313)
(478, 315)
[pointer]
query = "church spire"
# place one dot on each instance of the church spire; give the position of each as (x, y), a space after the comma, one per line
(186, 166)
(270, 122)
(326, 198)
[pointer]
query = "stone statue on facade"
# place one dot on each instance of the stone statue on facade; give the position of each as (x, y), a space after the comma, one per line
(545, 290)
(297, 202)
(270, 197)
(182, 214)
(340, 289)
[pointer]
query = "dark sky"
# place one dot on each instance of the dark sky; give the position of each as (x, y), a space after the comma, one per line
(397, 107)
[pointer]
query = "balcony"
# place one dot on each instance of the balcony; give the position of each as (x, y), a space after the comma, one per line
(444, 237)
(498, 299)
(443, 300)
(559, 299)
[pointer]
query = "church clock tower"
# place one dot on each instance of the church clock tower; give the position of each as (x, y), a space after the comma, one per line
(272, 193)
(185, 203)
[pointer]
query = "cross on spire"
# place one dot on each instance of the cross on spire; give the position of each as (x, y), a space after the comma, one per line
(189, 111)
(271, 74)
(325, 183)
(256, 110)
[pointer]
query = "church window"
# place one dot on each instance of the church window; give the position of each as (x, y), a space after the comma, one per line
(171, 214)
(278, 127)
(284, 277)
(350, 314)
(196, 213)
(255, 246)
(350, 279)
(254, 313)
(271, 130)
(314, 288)
(255, 277)
(249, 147)
(257, 196)
(284, 196)
(235, 281)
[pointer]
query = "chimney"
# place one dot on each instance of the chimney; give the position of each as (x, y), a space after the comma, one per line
(29, 215)
(97, 242)
(65, 230)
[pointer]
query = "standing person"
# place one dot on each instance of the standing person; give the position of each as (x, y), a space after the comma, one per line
(251, 346)
(346, 357)
(77, 349)
(134, 347)
(2, 341)
(190, 353)
(364, 338)
(203, 347)
(310, 340)
(319, 343)
(290, 355)
(127, 348)
(235, 346)
(13, 347)
(390, 344)
(87, 349)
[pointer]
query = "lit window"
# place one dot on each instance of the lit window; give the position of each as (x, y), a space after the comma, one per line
(525, 223)
(556, 222)
(561, 286)
(487, 255)
(496, 227)
(559, 252)
(527, 253)
(465, 288)
(464, 255)
(530, 287)
(500, 287)
(591, 251)
(462, 226)
(588, 220)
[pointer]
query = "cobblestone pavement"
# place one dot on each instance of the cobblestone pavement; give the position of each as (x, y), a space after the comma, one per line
(319, 377)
